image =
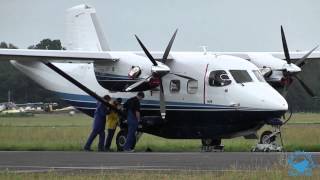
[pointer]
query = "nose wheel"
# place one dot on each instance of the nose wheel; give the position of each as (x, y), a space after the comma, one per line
(268, 141)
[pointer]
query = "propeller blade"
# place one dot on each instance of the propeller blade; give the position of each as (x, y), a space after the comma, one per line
(135, 85)
(162, 102)
(167, 51)
(154, 62)
(305, 87)
(285, 46)
(301, 61)
(285, 91)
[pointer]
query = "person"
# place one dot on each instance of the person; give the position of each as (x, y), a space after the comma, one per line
(133, 118)
(99, 124)
(112, 122)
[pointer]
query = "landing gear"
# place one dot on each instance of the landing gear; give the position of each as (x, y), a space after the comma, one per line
(267, 138)
(268, 141)
(209, 145)
(121, 139)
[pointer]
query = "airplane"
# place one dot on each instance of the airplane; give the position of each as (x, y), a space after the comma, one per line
(188, 95)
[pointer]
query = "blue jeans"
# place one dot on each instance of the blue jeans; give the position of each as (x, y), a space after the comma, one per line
(98, 128)
(132, 129)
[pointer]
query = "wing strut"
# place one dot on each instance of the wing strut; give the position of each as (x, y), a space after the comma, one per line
(79, 85)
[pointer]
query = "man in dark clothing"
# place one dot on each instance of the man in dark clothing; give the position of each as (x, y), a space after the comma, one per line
(133, 118)
(99, 124)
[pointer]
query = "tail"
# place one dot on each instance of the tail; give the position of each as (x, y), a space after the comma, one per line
(83, 32)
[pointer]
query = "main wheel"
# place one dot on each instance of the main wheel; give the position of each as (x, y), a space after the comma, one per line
(121, 140)
(264, 138)
(211, 142)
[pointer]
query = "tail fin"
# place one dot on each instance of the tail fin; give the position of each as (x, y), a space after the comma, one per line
(83, 31)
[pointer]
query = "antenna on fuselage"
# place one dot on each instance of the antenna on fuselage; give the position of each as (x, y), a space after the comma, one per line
(204, 48)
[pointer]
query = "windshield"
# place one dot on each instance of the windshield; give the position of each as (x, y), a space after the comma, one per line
(258, 75)
(241, 76)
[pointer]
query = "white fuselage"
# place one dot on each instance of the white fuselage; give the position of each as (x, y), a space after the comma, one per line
(254, 95)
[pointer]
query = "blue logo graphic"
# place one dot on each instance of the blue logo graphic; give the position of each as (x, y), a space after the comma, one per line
(301, 164)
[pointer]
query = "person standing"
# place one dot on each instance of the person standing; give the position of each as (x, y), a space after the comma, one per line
(112, 122)
(99, 124)
(133, 118)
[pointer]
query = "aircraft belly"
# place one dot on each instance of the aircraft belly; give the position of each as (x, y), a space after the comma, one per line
(209, 124)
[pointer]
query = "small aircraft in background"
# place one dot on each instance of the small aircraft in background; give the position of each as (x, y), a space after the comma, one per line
(189, 95)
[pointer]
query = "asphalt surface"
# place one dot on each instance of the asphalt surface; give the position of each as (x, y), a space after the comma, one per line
(42, 161)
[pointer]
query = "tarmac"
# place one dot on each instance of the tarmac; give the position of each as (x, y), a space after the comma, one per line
(43, 161)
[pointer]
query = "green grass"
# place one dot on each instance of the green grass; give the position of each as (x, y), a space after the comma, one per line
(275, 173)
(64, 132)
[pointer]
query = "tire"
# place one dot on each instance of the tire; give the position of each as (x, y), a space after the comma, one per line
(264, 136)
(121, 139)
(211, 142)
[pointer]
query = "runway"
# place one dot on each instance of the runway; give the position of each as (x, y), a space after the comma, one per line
(42, 161)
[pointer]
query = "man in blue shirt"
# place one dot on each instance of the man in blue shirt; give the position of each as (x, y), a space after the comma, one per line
(99, 124)
(133, 118)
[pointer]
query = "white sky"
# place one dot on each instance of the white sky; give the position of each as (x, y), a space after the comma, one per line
(222, 25)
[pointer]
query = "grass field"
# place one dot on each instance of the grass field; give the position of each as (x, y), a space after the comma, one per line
(63, 132)
(275, 173)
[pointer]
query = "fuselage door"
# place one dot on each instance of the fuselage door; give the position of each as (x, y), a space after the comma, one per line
(217, 87)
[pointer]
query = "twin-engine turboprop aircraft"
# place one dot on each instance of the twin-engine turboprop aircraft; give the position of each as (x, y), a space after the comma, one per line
(189, 95)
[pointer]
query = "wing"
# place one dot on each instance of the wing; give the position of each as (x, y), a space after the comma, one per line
(54, 55)
(295, 55)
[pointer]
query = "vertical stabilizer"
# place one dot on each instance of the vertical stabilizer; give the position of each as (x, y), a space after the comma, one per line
(83, 32)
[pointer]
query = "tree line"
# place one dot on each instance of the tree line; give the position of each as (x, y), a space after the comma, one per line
(22, 88)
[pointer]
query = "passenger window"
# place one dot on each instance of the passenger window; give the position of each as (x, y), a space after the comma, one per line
(192, 86)
(174, 86)
(241, 76)
(219, 78)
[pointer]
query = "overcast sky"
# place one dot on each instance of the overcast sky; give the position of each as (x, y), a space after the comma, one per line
(222, 25)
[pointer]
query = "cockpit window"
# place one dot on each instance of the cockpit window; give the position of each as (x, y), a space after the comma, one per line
(241, 76)
(219, 78)
(258, 75)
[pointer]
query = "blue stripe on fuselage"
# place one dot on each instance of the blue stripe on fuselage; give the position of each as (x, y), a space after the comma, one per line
(89, 102)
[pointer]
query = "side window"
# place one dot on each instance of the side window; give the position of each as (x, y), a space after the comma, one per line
(192, 86)
(174, 86)
(219, 78)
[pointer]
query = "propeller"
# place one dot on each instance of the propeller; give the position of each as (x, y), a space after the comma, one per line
(287, 75)
(167, 51)
(159, 70)
(285, 46)
(302, 60)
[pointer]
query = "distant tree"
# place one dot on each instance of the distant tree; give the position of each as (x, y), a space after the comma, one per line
(48, 44)
(3, 45)
(22, 88)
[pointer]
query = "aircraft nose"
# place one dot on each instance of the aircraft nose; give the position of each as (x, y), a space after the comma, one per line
(274, 100)
(277, 102)
(263, 96)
